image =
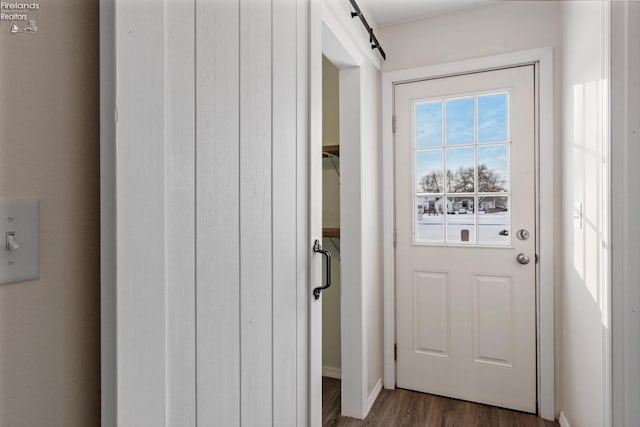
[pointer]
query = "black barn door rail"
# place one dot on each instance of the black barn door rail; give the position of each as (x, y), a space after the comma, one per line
(372, 37)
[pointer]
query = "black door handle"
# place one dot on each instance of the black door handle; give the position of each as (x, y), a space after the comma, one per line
(318, 249)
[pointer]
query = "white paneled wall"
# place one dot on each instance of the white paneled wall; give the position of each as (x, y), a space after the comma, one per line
(141, 218)
(284, 186)
(218, 212)
(180, 219)
(205, 320)
(625, 228)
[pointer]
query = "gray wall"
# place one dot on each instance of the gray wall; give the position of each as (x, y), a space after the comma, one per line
(49, 149)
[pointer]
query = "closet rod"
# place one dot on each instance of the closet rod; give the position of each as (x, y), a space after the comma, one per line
(372, 37)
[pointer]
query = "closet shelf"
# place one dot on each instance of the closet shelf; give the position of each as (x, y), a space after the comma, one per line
(330, 232)
(331, 149)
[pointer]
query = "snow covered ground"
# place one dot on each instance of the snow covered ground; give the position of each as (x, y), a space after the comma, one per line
(430, 227)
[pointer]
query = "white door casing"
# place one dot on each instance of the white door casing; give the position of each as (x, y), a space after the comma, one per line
(466, 324)
(339, 37)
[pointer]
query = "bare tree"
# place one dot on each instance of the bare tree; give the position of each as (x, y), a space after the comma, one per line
(489, 181)
(431, 183)
(462, 180)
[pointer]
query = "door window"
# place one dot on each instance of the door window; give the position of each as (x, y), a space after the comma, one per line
(461, 170)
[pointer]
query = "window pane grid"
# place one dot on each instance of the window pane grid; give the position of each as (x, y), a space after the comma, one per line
(468, 167)
(478, 194)
(489, 144)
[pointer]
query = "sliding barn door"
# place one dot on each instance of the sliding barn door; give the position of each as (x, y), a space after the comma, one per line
(248, 287)
(205, 219)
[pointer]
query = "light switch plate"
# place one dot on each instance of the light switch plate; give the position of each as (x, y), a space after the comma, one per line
(577, 216)
(19, 217)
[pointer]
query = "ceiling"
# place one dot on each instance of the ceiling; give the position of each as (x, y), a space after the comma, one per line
(387, 12)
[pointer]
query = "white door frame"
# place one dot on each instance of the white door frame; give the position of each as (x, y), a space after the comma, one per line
(543, 60)
(337, 45)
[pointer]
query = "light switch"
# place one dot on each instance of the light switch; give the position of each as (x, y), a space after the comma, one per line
(12, 245)
(20, 227)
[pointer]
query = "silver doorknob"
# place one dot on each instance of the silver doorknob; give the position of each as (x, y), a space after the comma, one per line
(523, 259)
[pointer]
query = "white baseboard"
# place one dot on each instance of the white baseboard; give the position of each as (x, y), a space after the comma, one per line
(563, 420)
(331, 372)
(373, 396)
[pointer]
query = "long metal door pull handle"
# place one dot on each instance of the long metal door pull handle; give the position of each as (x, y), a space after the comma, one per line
(318, 249)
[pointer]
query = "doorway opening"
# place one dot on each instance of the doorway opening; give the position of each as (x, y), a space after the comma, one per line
(544, 190)
(331, 316)
(466, 237)
(339, 165)
(331, 348)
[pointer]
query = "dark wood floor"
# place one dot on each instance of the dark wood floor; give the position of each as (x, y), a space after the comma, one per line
(395, 408)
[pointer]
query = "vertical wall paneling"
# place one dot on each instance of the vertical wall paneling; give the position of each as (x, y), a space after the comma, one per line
(284, 210)
(256, 287)
(180, 214)
(218, 215)
(303, 250)
(140, 219)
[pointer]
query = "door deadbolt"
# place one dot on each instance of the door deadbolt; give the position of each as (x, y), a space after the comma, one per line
(522, 234)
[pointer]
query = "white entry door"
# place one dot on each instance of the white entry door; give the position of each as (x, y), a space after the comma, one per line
(465, 224)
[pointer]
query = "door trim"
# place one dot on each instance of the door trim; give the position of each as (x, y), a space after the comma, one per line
(542, 58)
(331, 36)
